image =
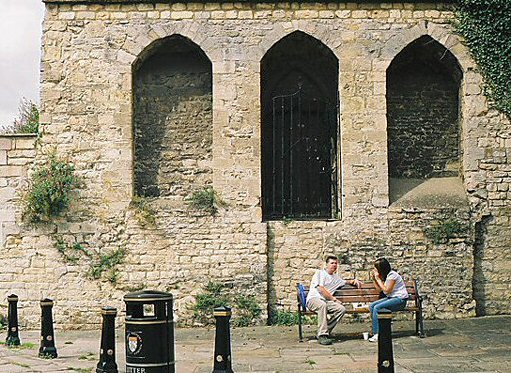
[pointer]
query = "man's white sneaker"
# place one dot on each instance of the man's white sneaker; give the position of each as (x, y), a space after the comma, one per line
(374, 338)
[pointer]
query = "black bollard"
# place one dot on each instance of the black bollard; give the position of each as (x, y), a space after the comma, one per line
(107, 362)
(222, 363)
(13, 338)
(385, 353)
(47, 349)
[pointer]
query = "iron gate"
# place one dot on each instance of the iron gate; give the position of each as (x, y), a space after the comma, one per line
(301, 176)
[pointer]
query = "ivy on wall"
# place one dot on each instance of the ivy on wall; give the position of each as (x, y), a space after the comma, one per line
(486, 27)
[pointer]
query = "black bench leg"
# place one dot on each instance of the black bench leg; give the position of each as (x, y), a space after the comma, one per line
(300, 331)
(419, 323)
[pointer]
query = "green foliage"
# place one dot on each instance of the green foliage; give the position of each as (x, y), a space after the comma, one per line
(144, 213)
(485, 25)
(206, 200)
(286, 221)
(444, 231)
(70, 253)
(27, 120)
(88, 356)
(108, 263)
(24, 346)
(50, 190)
(286, 318)
(3, 321)
(246, 309)
(310, 362)
(212, 297)
(99, 264)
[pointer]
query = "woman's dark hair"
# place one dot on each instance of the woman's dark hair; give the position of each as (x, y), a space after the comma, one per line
(382, 265)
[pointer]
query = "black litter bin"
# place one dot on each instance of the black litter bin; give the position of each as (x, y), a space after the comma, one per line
(149, 332)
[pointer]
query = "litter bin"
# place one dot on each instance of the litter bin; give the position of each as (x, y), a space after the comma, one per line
(149, 332)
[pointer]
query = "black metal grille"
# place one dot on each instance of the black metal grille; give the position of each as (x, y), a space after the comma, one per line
(299, 158)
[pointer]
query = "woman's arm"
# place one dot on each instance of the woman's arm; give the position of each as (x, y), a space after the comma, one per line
(380, 285)
(374, 276)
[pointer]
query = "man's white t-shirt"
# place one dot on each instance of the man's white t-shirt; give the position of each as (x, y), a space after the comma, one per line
(399, 290)
(329, 282)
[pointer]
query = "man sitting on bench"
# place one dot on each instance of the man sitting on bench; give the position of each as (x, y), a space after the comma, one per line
(321, 300)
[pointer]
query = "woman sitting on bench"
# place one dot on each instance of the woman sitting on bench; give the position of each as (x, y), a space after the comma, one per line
(393, 288)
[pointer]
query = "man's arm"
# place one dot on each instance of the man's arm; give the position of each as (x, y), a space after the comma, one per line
(355, 282)
(326, 294)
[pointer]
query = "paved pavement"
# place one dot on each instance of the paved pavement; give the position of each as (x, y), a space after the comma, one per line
(469, 345)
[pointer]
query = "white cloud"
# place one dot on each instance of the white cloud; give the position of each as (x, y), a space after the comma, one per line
(20, 44)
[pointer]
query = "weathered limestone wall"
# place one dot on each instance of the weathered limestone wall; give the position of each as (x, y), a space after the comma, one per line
(17, 152)
(89, 51)
(444, 271)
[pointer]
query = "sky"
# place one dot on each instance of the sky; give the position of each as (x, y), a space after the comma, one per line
(20, 45)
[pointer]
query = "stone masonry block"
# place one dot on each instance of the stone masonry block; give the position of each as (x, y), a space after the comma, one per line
(5, 143)
(9, 171)
(7, 215)
(25, 142)
(3, 157)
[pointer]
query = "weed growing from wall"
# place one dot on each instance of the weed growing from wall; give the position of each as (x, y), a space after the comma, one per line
(50, 190)
(144, 213)
(100, 264)
(246, 309)
(443, 231)
(108, 264)
(206, 200)
(71, 253)
(213, 296)
(485, 25)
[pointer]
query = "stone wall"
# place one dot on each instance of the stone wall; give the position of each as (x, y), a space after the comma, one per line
(17, 153)
(89, 52)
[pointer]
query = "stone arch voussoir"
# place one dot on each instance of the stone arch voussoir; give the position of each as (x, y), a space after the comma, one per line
(441, 33)
(317, 31)
(143, 39)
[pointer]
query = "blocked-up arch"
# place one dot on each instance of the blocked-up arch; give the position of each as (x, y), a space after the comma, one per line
(423, 112)
(423, 84)
(172, 91)
(299, 140)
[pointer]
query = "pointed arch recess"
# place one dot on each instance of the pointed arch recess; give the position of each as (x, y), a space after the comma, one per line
(423, 112)
(299, 132)
(172, 121)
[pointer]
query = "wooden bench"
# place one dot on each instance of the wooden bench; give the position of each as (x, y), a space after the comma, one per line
(351, 297)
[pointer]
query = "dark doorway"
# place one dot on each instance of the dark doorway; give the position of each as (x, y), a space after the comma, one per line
(299, 78)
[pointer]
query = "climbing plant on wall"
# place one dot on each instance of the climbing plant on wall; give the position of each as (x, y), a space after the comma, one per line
(486, 27)
(50, 190)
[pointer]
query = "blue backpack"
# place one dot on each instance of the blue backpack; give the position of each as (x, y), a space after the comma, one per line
(302, 295)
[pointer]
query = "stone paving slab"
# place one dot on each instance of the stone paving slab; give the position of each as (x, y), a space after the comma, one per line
(479, 345)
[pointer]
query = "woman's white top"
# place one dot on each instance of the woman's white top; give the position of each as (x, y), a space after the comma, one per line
(399, 290)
